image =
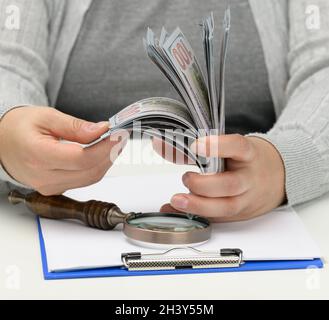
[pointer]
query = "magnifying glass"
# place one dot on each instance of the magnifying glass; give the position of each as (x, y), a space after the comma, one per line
(142, 228)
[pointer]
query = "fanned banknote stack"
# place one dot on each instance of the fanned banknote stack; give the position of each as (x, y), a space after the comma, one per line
(203, 109)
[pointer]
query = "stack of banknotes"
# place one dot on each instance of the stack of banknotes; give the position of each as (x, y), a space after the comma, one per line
(202, 110)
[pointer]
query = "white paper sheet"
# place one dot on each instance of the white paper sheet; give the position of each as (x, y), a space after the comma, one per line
(279, 235)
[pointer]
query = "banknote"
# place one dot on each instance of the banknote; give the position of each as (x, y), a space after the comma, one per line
(201, 110)
(180, 53)
(154, 48)
(223, 56)
(158, 108)
(216, 93)
(208, 45)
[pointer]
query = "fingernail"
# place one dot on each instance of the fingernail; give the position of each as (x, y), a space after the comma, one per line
(95, 126)
(185, 179)
(179, 202)
(199, 147)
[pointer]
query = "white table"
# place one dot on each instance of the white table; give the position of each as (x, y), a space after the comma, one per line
(21, 275)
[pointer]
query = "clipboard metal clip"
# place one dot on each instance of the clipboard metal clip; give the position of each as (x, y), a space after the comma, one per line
(175, 259)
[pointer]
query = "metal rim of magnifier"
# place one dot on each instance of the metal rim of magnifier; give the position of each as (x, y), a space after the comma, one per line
(168, 237)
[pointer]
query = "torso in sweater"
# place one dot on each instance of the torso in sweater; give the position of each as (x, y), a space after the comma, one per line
(108, 68)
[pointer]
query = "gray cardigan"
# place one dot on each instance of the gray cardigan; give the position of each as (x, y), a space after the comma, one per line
(33, 61)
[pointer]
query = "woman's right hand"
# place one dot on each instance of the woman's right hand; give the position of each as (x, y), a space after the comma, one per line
(32, 152)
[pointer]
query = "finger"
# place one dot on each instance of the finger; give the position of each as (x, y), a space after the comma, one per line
(167, 208)
(68, 156)
(208, 207)
(232, 146)
(170, 153)
(62, 180)
(226, 184)
(70, 128)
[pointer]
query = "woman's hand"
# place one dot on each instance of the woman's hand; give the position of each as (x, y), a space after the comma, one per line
(253, 183)
(32, 153)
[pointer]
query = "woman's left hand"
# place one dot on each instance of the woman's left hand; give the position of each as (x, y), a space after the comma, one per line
(253, 183)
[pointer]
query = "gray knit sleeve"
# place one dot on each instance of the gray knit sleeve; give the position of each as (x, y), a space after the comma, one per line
(24, 28)
(301, 134)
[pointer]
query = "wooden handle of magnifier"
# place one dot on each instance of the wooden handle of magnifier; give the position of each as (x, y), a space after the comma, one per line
(95, 214)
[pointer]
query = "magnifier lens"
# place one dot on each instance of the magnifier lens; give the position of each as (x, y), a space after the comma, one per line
(167, 229)
(167, 223)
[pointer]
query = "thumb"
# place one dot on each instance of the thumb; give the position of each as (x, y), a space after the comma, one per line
(76, 130)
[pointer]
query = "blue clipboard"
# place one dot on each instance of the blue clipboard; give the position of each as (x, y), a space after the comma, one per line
(122, 271)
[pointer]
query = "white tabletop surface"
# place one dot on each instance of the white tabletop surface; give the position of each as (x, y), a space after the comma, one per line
(21, 273)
